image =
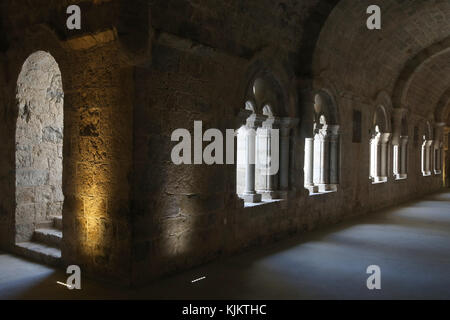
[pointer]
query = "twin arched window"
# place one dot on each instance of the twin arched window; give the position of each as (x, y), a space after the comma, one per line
(263, 143)
(322, 151)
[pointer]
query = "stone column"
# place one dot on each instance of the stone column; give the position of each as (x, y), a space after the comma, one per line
(286, 124)
(334, 156)
(438, 138)
(374, 156)
(427, 158)
(398, 139)
(250, 195)
(437, 157)
(265, 136)
(379, 145)
(403, 174)
(424, 157)
(318, 163)
(397, 161)
(322, 153)
(308, 167)
(384, 142)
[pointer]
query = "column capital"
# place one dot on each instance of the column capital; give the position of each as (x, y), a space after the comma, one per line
(439, 130)
(241, 117)
(384, 137)
(288, 123)
(255, 121)
(272, 122)
(400, 112)
(440, 124)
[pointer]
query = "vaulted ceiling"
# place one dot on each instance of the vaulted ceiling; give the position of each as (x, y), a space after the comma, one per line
(409, 57)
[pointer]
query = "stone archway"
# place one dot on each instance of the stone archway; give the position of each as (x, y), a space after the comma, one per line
(38, 153)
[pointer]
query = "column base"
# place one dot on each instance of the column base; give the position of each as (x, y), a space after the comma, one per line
(269, 195)
(283, 194)
(402, 176)
(327, 188)
(379, 179)
(312, 189)
(437, 172)
(251, 197)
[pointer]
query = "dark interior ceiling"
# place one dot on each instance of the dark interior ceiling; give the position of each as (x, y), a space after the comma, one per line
(408, 57)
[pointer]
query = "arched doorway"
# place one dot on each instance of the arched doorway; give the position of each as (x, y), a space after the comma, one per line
(39, 155)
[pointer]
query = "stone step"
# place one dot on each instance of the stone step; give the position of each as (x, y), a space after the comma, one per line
(45, 225)
(57, 222)
(40, 252)
(48, 236)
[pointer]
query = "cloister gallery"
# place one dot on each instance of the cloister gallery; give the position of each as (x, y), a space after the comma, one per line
(354, 120)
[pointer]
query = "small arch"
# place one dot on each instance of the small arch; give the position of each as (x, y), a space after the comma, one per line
(428, 131)
(381, 119)
(324, 104)
(266, 91)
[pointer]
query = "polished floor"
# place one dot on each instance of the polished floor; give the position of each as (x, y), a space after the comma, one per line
(410, 244)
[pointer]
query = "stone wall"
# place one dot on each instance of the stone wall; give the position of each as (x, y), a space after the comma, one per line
(97, 157)
(97, 78)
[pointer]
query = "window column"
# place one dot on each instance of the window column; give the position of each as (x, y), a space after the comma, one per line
(309, 165)
(286, 125)
(403, 174)
(437, 146)
(269, 157)
(325, 143)
(426, 157)
(250, 195)
(379, 156)
(334, 155)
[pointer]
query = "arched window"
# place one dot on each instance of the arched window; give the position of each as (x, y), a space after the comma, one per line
(379, 142)
(427, 153)
(39, 143)
(322, 151)
(263, 145)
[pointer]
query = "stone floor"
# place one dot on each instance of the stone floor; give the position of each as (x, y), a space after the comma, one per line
(410, 243)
